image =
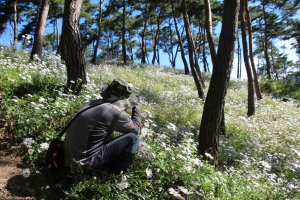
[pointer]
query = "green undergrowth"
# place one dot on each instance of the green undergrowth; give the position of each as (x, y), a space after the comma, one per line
(259, 155)
(283, 90)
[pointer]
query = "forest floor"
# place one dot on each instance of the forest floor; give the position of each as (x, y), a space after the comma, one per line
(13, 186)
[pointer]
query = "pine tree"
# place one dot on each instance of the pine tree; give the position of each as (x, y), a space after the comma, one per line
(40, 29)
(212, 114)
(71, 47)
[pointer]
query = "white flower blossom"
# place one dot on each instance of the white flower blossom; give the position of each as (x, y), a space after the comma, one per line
(122, 185)
(184, 190)
(26, 173)
(209, 156)
(171, 127)
(44, 146)
(175, 194)
(28, 142)
(149, 173)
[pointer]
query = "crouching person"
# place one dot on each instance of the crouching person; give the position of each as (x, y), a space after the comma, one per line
(89, 140)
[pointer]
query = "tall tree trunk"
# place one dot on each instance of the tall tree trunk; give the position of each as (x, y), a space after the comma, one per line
(71, 47)
(208, 26)
(204, 51)
(239, 58)
(265, 43)
(98, 34)
(124, 33)
(186, 67)
(191, 49)
(251, 104)
(212, 114)
(57, 33)
(15, 24)
(156, 36)
(130, 46)
(249, 25)
(213, 53)
(54, 36)
(144, 48)
(40, 29)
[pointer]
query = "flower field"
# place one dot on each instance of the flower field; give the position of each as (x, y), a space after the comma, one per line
(259, 156)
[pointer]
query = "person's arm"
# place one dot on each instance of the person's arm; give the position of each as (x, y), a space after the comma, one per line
(125, 124)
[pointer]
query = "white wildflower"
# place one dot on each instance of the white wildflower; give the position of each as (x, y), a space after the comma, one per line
(265, 165)
(44, 146)
(184, 190)
(209, 156)
(146, 132)
(30, 151)
(28, 142)
(122, 185)
(171, 127)
(175, 194)
(124, 178)
(26, 173)
(197, 162)
(149, 173)
(42, 100)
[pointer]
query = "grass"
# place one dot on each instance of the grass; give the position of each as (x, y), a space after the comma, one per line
(259, 156)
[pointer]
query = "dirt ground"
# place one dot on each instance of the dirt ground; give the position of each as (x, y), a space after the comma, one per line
(13, 186)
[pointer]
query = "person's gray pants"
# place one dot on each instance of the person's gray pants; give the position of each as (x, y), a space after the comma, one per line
(117, 154)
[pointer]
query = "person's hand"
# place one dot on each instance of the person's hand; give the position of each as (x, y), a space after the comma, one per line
(134, 101)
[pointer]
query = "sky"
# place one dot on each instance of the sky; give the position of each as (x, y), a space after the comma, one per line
(164, 60)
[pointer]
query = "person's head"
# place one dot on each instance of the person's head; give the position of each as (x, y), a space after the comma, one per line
(117, 90)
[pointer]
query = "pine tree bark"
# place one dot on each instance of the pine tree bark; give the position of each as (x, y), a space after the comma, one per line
(191, 50)
(186, 67)
(143, 38)
(239, 68)
(214, 104)
(40, 29)
(15, 25)
(265, 44)
(251, 103)
(71, 47)
(204, 51)
(249, 26)
(124, 33)
(99, 22)
(208, 26)
(156, 37)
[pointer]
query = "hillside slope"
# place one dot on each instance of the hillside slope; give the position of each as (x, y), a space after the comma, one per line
(259, 156)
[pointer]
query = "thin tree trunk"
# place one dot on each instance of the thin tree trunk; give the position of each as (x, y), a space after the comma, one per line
(156, 37)
(71, 47)
(186, 67)
(191, 49)
(251, 104)
(15, 25)
(204, 51)
(11, 40)
(212, 114)
(144, 48)
(130, 47)
(265, 42)
(256, 84)
(208, 26)
(124, 33)
(94, 60)
(239, 58)
(40, 29)
(54, 34)
(57, 33)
